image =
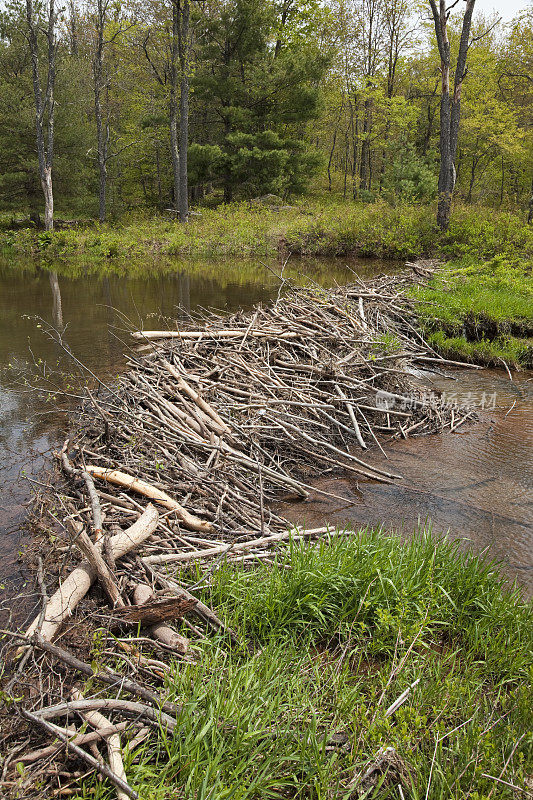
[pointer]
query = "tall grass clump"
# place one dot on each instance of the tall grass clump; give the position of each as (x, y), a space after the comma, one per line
(332, 634)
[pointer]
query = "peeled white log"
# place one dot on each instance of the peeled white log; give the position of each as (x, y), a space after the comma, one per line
(164, 558)
(226, 333)
(141, 487)
(114, 753)
(75, 587)
(143, 594)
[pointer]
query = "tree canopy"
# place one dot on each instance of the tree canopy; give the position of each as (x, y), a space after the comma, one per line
(282, 95)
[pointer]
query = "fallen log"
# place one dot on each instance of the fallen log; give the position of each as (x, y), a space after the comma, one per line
(114, 752)
(129, 707)
(94, 557)
(75, 587)
(152, 613)
(143, 594)
(214, 334)
(153, 493)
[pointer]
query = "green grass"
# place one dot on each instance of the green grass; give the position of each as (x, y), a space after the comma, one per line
(335, 633)
(318, 225)
(481, 312)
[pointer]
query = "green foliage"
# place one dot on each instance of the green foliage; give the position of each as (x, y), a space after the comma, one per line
(268, 163)
(322, 227)
(336, 633)
(410, 178)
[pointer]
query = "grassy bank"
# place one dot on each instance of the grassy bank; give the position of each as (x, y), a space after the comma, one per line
(480, 312)
(477, 309)
(336, 634)
(320, 226)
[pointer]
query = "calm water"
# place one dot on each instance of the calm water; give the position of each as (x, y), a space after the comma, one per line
(476, 482)
(93, 312)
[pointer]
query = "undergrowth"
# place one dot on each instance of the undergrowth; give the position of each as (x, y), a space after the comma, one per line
(334, 634)
(481, 312)
(322, 225)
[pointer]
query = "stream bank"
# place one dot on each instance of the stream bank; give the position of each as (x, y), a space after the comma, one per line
(254, 422)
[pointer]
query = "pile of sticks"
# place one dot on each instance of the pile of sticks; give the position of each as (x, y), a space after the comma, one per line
(178, 462)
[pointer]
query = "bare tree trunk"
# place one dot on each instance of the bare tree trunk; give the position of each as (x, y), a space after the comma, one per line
(45, 144)
(530, 212)
(364, 169)
(450, 107)
(472, 179)
(174, 138)
(331, 157)
(102, 132)
(73, 28)
(183, 45)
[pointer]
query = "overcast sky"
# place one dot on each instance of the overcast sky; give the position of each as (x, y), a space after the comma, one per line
(507, 9)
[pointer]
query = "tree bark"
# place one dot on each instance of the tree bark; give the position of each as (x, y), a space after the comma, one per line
(450, 106)
(102, 131)
(44, 104)
(174, 136)
(364, 169)
(183, 47)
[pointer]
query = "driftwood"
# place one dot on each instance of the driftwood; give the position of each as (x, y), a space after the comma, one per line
(170, 638)
(105, 675)
(236, 548)
(212, 424)
(79, 738)
(207, 334)
(78, 583)
(41, 722)
(140, 486)
(94, 557)
(114, 751)
(154, 612)
(127, 707)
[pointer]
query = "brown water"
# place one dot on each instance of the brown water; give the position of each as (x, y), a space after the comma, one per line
(476, 482)
(93, 308)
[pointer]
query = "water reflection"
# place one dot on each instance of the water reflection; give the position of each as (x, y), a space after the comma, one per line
(93, 307)
(57, 308)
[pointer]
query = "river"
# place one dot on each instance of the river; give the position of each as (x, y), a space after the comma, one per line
(476, 482)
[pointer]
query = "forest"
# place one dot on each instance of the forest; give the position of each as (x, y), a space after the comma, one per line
(163, 106)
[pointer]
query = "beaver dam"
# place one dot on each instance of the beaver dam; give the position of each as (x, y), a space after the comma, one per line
(177, 464)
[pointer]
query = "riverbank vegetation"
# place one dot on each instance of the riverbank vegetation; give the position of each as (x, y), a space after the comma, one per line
(320, 226)
(480, 313)
(336, 633)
